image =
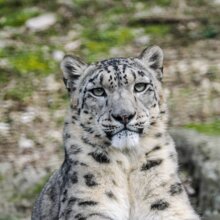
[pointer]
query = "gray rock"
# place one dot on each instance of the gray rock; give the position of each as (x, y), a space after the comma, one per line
(201, 155)
(4, 128)
(42, 22)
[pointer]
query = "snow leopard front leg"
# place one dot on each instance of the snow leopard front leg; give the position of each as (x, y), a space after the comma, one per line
(159, 194)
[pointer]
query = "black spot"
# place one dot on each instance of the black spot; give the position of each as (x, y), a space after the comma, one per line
(52, 193)
(114, 183)
(141, 73)
(87, 203)
(140, 130)
(63, 199)
(97, 135)
(78, 111)
(80, 217)
(74, 117)
(65, 82)
(74, 177)
(86, 112)
(68, 213)
(67, 136)
(83, 164)
(65, 192)
(100, 157)
(110, 195)
(160, 205)
(74, 149)
(134, 75)
(72, 201)
(162, 112)
(150, 164)
(90, 180)
(158, 135)
(153, 123)
(176, 189)
(154, 57)
(157, 147)
(124, 67)
(87, 141)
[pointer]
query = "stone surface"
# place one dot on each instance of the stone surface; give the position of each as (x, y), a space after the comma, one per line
(200, 155)
(41, 22)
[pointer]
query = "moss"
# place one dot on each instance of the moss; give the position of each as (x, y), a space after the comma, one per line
(8, 217)
(1, 178)
(31, 193)
(4, 76)
(15, 18)
(29, 60)
(163, 3)
(21, 91)
(158, 30)
(37, 62)
(206, 128)
(99, 42)
(210, 31)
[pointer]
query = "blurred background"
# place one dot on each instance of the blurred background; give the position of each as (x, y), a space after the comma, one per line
(35, 35)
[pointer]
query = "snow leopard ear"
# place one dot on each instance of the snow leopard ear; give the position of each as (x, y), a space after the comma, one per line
(153, 57)
(72, 68)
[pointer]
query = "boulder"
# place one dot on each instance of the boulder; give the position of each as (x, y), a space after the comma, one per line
(200, 156)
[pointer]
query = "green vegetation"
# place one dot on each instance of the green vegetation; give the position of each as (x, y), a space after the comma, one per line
(21, 91)
(163, 2)
(158, 30)
(15, 18)
(210, 31)
(212, 128)
(31, 193)
(98, 42)
(7, 217)
(29, 61)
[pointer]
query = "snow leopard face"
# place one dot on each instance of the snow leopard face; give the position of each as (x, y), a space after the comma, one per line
(116, 99)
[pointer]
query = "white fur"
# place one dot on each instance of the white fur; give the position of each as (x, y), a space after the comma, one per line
(125, 139)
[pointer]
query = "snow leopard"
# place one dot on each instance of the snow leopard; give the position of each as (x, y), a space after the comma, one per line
(120, 161)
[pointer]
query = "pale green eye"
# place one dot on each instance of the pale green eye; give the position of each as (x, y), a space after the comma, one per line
(98, 92)
(140, 87)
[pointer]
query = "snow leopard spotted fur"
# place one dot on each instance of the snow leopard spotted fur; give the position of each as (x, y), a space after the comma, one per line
(120, 162)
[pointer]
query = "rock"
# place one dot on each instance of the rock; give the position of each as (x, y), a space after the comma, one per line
(25, 143)
(217, 2)
(28, 116)
(58, 55)
(51, 84)
(201, 154)
(4, 128)
(72, 45)
(5, 167)
(41, 22)
(143, 40)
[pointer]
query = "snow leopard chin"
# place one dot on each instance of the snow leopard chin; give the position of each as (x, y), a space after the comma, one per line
(125, 140)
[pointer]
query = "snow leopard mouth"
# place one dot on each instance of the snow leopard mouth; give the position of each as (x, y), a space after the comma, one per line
(125, 130)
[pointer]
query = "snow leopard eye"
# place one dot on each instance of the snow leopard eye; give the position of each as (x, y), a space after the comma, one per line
(98, 92)
(140, 87)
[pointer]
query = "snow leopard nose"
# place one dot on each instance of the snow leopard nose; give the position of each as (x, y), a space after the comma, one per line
(124, 118)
